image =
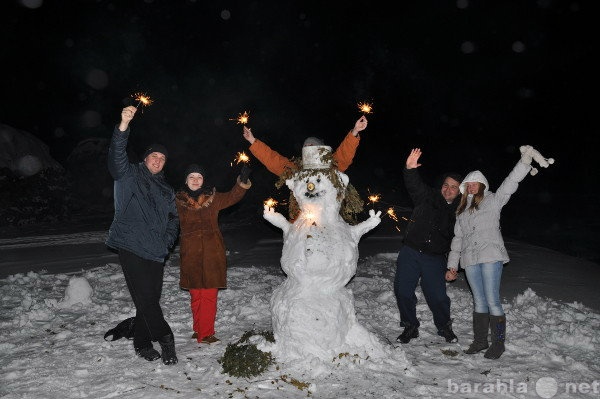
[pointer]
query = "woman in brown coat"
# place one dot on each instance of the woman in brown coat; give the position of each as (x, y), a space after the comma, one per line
(202, 249)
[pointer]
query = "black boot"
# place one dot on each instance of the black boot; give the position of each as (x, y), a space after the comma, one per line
(447, 332)
(409, 333)
(481, 321)
(498, 331)
(167, 344)
(147, 352)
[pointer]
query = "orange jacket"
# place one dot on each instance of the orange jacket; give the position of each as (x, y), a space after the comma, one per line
(277, 163)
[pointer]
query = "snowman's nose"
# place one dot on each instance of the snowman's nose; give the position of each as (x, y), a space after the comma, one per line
(310, 186)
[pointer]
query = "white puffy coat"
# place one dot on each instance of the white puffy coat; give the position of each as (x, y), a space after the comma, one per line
(477, 235)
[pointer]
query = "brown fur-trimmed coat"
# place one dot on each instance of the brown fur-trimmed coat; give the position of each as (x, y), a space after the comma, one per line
(202, 249)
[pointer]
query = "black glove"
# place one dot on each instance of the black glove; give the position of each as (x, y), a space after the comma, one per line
(245, 173)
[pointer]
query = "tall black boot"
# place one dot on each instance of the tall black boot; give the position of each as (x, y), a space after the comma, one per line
(167, 344)
(481, 322)
(498, 330)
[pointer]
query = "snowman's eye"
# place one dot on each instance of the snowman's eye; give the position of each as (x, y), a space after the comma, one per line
(318, 180)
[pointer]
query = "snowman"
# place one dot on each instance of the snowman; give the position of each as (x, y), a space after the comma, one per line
(313, 311)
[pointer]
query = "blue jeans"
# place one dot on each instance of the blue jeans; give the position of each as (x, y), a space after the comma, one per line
(412, 268)
(484, 279)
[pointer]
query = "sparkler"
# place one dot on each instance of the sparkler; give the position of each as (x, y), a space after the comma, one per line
(365, 108)
(242, 119)
(142, 99)
(373, 198)
(241, 157)
(392, 214)
(270, 202)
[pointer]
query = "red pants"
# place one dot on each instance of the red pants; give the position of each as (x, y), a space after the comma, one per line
(204, 310)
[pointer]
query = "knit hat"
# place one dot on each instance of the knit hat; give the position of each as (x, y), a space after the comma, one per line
(194, 168)
(312, 141)
(156, 148)
(440, 179)
(454, 176)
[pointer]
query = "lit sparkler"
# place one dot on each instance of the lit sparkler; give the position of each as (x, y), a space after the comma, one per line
(373, 198)
(241, 157)
(365, 108)
(242, 119)
(270, 202)
(142, 99)
(392, 214)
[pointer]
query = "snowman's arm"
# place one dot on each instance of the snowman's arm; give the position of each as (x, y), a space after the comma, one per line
(276, 219)
(360, 229)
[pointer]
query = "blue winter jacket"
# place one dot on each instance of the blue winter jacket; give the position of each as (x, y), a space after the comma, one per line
(145, 221)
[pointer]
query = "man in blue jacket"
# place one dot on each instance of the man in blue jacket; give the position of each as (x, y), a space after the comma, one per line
(422, 257)
(144, 228)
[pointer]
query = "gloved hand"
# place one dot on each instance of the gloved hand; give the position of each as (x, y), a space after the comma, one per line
(529, 154)
(526, 154)
(245, 173)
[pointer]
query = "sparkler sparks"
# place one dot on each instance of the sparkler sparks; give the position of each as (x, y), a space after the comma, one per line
(242, 119)
(392, 214)
(142, 99)
(373, 198)
(241, 157)
(270, 202)
(365, 108)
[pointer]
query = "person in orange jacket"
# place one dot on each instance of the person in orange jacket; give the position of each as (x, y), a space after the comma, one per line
(277, 163)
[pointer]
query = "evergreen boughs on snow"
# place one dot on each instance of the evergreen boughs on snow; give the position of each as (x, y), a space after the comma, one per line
(244, 359)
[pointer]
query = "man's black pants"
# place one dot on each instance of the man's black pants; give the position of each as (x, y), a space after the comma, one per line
(145, 280)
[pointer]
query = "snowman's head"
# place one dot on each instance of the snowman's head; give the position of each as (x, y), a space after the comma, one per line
(314, 187)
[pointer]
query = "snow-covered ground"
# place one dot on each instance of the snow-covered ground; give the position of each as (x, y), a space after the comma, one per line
(52, 342)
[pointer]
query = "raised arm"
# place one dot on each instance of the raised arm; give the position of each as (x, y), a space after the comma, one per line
(511, 183)
(273, 161)
(118, 164)
(344, 154)
(417, 189)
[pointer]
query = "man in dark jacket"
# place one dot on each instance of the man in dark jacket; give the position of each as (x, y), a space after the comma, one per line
(144, 228)
(423, 255)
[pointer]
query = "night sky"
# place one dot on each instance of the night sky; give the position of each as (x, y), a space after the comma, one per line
(467, 81)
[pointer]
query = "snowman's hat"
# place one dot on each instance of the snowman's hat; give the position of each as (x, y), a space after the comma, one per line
(316, 157)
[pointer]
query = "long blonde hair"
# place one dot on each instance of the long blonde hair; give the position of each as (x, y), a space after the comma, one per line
(477, 198)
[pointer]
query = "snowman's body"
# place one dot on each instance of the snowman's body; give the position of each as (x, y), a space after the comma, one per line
(313, 311)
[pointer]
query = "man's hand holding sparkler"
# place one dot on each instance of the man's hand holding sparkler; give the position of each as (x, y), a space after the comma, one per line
(248, 135)
(359, 126)
(126, 117)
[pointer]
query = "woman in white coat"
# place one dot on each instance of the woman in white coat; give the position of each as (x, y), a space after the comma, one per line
(479, 247)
